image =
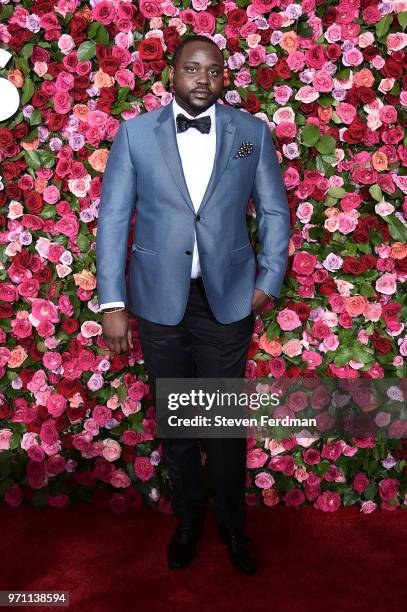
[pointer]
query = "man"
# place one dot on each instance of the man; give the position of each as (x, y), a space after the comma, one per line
(190, 168)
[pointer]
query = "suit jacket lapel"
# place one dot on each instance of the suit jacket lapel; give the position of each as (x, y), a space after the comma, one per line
(167, 140)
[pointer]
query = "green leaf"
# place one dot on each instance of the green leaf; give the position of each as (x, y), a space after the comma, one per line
(27, 50)
(367, 290)
(343, 74)
(337, 192)
(83, 243)
(28, 90)
(396, 228)
(7, 11)
(98, 32)
(402, 19)
(87, 50)
(165, 75)
(325, 101)
(376, 193)
(350, 497)
(122, 95)
(310, 135)
(326, 144)
(383, 25)
(36, 117)
(33, 159)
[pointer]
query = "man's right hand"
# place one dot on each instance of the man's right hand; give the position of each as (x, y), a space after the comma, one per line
(116, 331)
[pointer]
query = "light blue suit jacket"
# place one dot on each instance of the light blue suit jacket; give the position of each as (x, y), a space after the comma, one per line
(144, 171)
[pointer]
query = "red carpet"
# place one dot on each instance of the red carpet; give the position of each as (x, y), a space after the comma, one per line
(342, 561)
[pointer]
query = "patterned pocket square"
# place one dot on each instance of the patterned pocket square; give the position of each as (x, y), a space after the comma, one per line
(246, 148)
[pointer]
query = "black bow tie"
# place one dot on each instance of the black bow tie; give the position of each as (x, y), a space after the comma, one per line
(203, 124)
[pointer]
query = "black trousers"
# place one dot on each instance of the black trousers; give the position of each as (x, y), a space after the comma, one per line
(200, 346)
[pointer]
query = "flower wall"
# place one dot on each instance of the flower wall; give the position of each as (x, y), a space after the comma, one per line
(77, 421)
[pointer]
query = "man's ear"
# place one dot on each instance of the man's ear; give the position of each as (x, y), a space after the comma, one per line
(171, 74)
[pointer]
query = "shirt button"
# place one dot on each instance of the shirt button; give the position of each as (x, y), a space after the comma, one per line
(188, 252)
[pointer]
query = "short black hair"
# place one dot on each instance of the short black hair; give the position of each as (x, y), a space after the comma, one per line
(185, 41)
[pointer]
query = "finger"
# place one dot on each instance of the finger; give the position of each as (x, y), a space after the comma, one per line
(129, 338)
(123, 345)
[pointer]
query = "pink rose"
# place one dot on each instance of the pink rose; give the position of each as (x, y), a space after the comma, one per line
(264, 480)
(388, 488)
(329, 501)
(368, 506)
(256, 458)
(56, 405)
(360, 482)
(386, 284)
(304, 263)
(294, 498)
(5, 436)
(288, 319)
(143, 468)
(111, 450)
(62, 102)
(282, 463)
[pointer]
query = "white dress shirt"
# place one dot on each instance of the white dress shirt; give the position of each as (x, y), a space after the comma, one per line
(197, 152)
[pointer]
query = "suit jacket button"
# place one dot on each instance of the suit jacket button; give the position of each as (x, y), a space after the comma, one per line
(198, 218)
(188, 252)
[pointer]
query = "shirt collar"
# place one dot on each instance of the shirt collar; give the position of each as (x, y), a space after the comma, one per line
(178, 109)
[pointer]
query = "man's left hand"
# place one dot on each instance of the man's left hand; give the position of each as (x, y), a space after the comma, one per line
(260, 301)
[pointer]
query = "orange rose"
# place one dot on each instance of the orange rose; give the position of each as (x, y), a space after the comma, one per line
(398, 250)
(98, 159)
(325, 114)
(379, 161)
(271, 347)
(363, 78)
(289, 41)
(356, 305)
(16, 77)
(85, 280)
(270, 496)
(81, 111)
(17, 357)
(101, 79)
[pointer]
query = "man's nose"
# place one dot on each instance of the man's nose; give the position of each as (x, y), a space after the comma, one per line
(203, 79)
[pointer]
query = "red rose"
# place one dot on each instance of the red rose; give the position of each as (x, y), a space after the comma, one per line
(10, 171)
(366, 95)
(109, 65)
(232, 44)
(282, 69)
(251, 104)
(333, 52)
(6, 311)
(329, 16)
(369, 261)
(237, 17)
(265, 77)
(150, 49)
(20, 131)
(57, 122)
(39, 99)
(34, 202)
(382, 345)
(352, 266)
(6, 139)
(13, 191)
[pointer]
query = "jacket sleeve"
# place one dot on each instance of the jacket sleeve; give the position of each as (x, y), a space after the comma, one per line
(272, 218)
(117, 202)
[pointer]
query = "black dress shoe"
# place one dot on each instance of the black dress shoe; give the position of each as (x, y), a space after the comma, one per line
(242, 554)
(182, 546)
